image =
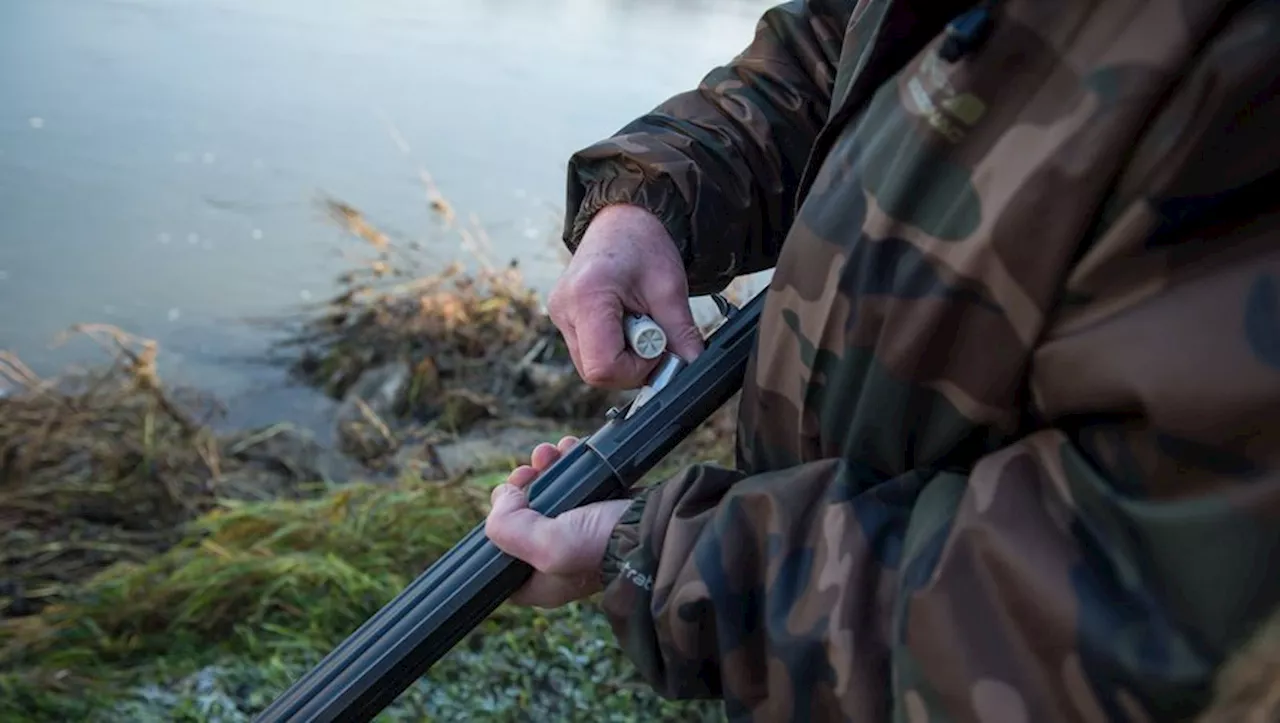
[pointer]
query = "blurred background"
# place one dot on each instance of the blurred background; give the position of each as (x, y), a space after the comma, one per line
(161, 160)
(278, 193)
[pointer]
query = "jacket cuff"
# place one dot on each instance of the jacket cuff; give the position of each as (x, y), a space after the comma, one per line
(624, 539)
(593, 187)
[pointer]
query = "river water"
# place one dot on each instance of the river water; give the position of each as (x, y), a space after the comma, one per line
(161, 160)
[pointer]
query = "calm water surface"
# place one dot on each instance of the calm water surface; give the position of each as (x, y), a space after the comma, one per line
(161, 160)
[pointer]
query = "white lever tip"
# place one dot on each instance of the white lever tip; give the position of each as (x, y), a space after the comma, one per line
(644, 336)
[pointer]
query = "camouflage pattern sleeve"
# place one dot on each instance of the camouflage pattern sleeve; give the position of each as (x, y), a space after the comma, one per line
(761, 588)
(1134, 539)
(722, 162)
(1103, 555)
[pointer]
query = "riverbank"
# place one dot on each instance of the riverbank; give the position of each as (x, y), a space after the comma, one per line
(156, 570)
(152, 569)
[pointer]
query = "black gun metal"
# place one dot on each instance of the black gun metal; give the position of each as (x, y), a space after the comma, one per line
(399, 644)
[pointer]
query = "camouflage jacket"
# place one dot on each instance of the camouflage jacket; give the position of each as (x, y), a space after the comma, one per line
(1009, 445)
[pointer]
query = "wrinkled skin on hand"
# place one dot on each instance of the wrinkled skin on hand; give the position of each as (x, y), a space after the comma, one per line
(626, 262)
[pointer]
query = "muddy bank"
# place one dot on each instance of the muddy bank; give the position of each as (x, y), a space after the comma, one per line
(439, 375)
(141, 548)
(421, 360)
(106, 465)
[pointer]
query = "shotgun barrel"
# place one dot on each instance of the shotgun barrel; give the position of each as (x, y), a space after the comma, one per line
(399, 644)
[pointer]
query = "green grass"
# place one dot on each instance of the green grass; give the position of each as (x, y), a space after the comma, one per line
(257, 591)
(214, 628)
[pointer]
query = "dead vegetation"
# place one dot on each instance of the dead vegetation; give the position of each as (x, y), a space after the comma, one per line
(134, 540)
(419, 355)
(135, 544)
(105, 466)
(441, 373)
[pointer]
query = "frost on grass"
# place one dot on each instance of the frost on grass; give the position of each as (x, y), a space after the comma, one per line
(152, 570)
(554, 666)
(219, 624)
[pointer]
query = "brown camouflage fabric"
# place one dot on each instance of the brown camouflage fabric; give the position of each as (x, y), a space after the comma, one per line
(1009, 446)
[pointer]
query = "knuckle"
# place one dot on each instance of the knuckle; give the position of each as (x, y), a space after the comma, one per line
(496, 530)
(689, 334)
(594, 284)
(544, 558)
(597, 375)
(573, 285)
(669, 286)
(556, 302)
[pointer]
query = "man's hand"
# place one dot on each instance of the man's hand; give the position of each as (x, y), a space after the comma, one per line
(626, 261)
(565, 551)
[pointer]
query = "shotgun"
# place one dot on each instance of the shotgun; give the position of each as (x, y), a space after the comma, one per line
(399, 644)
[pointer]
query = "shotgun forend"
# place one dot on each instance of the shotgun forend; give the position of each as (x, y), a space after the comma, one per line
(400, 643)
